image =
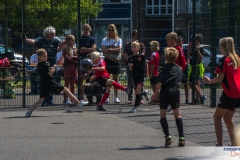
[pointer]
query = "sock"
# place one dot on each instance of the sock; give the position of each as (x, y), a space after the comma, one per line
(179, 124)
(118, 86)
(104, 98)
(137, 100)
(164, 125)
(143, 93)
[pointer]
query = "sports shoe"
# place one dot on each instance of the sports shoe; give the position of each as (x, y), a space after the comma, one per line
(28, 114)
(168, 141)
(107, 101)
(51, 104)
(67, 102)
(128, 89)
(100, 108)
(169, 109)
(116, 100)
(81, 104)
(202, 99)
(146, 95)
(181, 142)
(134, 109)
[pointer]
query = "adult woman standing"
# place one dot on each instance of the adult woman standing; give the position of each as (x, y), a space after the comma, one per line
(112, 44)
(87, 45)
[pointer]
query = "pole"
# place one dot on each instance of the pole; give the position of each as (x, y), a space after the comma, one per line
(138, 18)
(173, 16)
(78, 42)
(24, 55)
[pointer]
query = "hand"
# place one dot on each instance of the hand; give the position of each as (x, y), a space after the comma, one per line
(55, 66)
(154, 97)
(206, 79)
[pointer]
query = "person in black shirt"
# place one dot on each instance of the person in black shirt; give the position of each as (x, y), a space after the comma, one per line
(138, 65)
(170, 77)
(48, 83)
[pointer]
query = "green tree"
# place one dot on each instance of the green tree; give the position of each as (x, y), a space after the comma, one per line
(61, 14)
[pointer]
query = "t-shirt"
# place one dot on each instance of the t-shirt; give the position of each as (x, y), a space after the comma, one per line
(170, 75)
(86, 42)
(43, 69)
(231, 80)
(128, 49)
(103, 73)
(154, 60)
(138, 61)
(181, 60)
(50, 46)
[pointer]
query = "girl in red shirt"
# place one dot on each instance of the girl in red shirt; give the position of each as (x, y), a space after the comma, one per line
(228, 72)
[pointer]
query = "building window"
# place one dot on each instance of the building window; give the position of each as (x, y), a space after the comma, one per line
(114, 1)
(159, 7)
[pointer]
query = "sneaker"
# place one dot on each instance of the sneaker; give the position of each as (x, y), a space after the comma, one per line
(100, 108)
(146, 95)
(116, 100)
(28, 114)
(51, 104)
(134, 109)
(168, 141)
(169, 109)
(187, 102)
(128, 89)
(181, 142)
(81, 104)
(67, 102)
(202, 99)
(107, 101)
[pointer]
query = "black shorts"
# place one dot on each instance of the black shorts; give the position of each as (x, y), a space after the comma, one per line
(138, 80)
(169, 96)
(154, 80)
(112, 67)
(226, 102)
(50, 86)
(102, 81)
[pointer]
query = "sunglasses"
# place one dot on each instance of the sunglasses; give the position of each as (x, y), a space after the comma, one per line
(110, 30)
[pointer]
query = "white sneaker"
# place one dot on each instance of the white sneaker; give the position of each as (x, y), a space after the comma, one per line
(134, 109)
(107, 101)
(67, 102)
(146, 95)
(81, 104)
(28, 114)
(116, 100)
(169, 109)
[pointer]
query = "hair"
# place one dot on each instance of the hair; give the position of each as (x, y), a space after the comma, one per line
(198, 37)
(95, 55)
(171, 54)
(134, 32)
(114, 30)
(228, 48)
(85, 25)
(40, 52)
(154, 45)
(68, 39)
(49, 30)
(135, 43)
(172, 35)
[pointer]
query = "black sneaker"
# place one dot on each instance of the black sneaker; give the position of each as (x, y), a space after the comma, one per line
(181, 142)
(202, 99)
(100, 108)
(168, 141)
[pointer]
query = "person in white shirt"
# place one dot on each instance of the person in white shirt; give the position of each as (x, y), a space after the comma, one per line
(59, 71)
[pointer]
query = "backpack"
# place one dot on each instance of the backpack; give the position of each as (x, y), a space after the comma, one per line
(9, 92)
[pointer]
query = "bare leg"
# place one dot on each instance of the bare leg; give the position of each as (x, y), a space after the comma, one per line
(70, 95)
(186, 89)
(218, 115)
(36, 104)
(115, 78)
(230, 126)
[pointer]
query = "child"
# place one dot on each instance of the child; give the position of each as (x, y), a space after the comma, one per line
(103, 78)
(138, 65)
(48, 84)
(153, 66)
(228, 73)
(170, 77)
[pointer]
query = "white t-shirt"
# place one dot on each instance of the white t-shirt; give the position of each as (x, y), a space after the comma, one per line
(34, 59)
(59, 55)
(106, 42)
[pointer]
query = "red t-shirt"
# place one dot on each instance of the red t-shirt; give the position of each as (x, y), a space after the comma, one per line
(104, 73)
(231, 80)
(154, 60)
(181, 60)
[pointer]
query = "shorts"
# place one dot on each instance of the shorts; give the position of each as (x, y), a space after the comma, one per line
(112, 67)
(169, 96)
(47, 87)
(138, 80)
(226, 102)
(102, 81)
(154, 80)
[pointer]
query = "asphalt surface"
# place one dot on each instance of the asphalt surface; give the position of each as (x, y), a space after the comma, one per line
(64, 133)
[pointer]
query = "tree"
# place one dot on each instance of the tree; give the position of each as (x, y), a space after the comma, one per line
(61, 14)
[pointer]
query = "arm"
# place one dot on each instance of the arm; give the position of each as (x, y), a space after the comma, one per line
(99, 68)
(30, 41)
(151, 70)
(156, 93)
(199, 54)
(217, 79)
(67, 58)
(143, 48)
(146, 66)
(50, 73)
(88, 50)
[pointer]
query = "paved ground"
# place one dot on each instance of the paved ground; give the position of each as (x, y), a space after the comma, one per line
(53, 133)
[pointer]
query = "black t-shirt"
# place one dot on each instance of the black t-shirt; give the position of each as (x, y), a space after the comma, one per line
(86, 42)
(43, 69)
(198, 61)
(128, 49)
(138, 61)
(50, 46)
(170, 75)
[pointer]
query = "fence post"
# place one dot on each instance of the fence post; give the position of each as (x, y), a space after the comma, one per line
(24, 55)
(231, 18)
(78, 42)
